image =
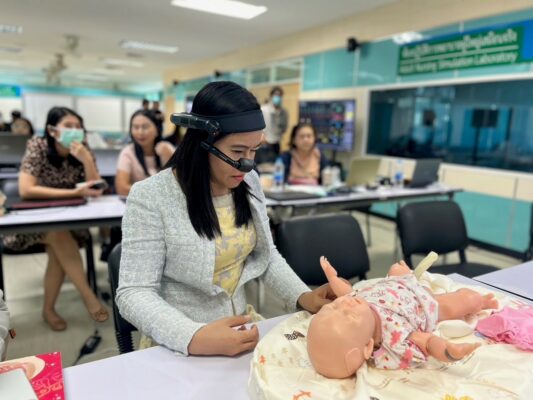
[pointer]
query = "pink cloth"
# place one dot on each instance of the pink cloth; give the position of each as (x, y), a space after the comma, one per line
(510, 326)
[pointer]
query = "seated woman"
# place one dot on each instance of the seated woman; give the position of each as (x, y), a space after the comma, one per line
(22, 126)
(51, 168)
(145, 156)
(304, 162)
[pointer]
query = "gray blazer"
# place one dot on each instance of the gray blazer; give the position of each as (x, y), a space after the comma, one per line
(166, 271)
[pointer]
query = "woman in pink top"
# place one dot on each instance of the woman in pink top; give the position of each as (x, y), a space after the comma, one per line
(145, 156)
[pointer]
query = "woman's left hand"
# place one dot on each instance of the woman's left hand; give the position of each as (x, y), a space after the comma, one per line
(79, 151)
(314, 300)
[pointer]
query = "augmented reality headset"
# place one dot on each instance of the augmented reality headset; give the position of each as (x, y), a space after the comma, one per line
(248, 121)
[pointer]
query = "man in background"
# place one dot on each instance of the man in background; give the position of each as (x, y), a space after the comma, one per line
(159, 116)
(276, 119)
(145, 104)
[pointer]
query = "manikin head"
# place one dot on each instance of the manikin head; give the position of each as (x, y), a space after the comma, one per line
(340, 337)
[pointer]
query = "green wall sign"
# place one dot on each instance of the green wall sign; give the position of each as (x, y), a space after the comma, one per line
(467, 50)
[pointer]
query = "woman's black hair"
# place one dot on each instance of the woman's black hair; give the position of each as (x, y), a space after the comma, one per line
(54, 117)
(297, 127)
(139, 154)
(191, 161)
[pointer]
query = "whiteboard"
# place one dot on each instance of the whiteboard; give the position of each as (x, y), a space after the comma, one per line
(8, 104)
(101, 113)
(37, 105)
(130, 106)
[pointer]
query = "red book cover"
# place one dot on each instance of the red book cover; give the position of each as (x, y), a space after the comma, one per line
(44, 372)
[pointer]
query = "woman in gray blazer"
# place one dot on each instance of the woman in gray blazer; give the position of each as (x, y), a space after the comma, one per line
(195, 233)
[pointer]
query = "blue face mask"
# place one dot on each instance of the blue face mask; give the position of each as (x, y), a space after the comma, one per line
(276, 100)
(69, 135)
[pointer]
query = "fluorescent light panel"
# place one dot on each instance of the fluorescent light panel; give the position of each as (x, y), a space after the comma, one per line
(10, 28)
(159, 48)
(229, 8)
(7, 49)
(123, 63)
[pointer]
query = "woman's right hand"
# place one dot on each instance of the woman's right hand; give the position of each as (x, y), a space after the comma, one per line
(86, 191)
(219, 337)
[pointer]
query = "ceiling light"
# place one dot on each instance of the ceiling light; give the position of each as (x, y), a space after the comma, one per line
(92, 77)
(10, 29)
(229, 8)
(9, 63)
(132, 44)
(7, 49)
(106, 71)
(407, 37)
(124, 63)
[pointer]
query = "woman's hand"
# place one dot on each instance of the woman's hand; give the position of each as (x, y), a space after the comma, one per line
(86, 191)
(220, 337)
(80, 152)
(314, 300)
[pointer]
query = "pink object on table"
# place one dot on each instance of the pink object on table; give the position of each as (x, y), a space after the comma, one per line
(510, 326)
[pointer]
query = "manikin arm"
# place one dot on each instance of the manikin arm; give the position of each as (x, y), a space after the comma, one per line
(339, 286)
(440, 348)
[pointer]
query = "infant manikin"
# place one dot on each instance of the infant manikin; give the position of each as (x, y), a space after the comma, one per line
(391, 322)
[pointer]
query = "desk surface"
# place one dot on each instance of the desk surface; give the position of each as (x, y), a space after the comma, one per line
(158, 373)
(381, 194)
(517, 280)
(105, 210)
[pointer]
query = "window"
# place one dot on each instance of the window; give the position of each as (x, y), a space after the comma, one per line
(484, 124)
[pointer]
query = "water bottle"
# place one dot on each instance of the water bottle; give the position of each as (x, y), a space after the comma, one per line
(398, 174)
(279, 174)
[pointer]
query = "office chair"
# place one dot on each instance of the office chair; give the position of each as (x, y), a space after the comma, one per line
(437, 226)
(10, 189)
(302, 240)
(528, 254)
(123, 328)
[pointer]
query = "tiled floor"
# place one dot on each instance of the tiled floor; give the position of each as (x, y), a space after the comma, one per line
(24, 276)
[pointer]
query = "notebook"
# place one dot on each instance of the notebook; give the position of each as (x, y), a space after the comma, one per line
(16, 203)
(44, 371)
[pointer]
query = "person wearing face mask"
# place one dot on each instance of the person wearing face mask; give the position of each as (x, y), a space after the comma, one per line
(276, 119)
(51, 168)
(304, 162)
(197, 232)
(145, 156)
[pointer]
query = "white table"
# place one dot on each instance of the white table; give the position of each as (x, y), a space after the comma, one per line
(517, 280)
(158, 373)
(366, 197)
(101, 211)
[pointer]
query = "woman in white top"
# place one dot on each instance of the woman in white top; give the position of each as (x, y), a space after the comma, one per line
(145, 156)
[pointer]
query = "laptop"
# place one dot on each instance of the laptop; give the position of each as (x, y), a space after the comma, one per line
(425, 173)
(12, 148)
(290, 195)
(15, 203)
(363, 171)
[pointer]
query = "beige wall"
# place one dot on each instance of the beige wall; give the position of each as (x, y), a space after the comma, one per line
(400, 16)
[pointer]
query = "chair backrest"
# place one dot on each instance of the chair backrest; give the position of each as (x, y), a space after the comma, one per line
(10, 187)
(432, 226)
(123, 328)
(302, 240)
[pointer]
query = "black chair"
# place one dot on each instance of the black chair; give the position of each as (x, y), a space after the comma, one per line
(528, 254)
(10, 189)
(437, 226)
(302, 240)
(123, 328)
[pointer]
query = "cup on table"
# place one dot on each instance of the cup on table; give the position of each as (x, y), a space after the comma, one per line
(267, 181)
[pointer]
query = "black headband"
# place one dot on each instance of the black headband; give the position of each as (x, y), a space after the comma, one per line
(248, 121)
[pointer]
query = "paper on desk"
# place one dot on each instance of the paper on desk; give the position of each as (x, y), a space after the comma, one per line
(15, 386)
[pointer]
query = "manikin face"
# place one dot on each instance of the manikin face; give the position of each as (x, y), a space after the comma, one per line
(340, 336)
(240, 145)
